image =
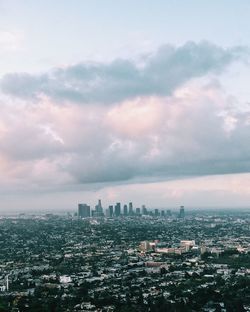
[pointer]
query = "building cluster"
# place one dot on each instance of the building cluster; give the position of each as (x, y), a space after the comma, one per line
(84, 211)
(182, 247)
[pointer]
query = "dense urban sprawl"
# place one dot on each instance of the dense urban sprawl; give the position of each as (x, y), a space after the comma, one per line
(164, 262)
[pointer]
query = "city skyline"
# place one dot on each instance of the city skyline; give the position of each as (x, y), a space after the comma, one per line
(125, 210)
(147, 101)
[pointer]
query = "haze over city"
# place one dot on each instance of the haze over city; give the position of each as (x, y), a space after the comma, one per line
(143, 101)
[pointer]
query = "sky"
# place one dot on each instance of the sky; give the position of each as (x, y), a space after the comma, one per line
(143, 101)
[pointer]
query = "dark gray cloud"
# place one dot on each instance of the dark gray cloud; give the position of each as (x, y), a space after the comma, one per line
(160, 75)
(192, 133)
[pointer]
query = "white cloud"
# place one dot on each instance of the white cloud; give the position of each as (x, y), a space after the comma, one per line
(10, 41)
(195, 132)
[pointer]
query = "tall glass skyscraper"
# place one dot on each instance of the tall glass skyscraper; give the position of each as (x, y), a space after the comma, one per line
(83, 211)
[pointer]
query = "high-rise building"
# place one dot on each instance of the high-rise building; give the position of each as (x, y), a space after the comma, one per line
(118, 209)
(163, 213)
(83, 211)
(182, 212)
(156, 212)
(138, 211)
(99, 209)
(111, 211)
(169, 213)
(130, 209)
(125, 210)
(144, 210)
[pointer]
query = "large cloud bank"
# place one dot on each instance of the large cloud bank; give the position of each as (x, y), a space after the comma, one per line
(163, 117)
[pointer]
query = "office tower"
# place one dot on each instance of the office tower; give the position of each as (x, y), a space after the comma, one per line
(138, 211)
(118, 209)
(99, 209)
(182, 212)
(144, 246)
(163, 213)
(130, 209)
(169, 214)
(156, 212)
(111, 211)
(125, 210)
(83, 211)
(144, 210)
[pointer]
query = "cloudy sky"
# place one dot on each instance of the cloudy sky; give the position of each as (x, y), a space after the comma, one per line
(143, 101)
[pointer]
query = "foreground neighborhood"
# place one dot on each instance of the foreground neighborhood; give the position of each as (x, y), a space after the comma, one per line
(126, 263)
